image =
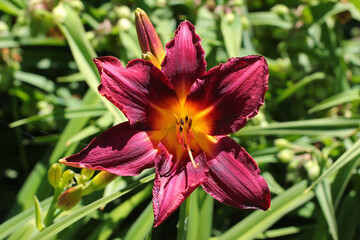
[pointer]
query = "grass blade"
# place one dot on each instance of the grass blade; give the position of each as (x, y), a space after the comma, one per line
(83, 53)
(340, 98)
(259, 221)
(300, 84)
(327, 208)
(142, 226)
(341, 127)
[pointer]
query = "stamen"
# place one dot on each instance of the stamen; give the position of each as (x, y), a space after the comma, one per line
(190, 123)
(182, 140)
(196, 165)
(178, 135)
(176, 119)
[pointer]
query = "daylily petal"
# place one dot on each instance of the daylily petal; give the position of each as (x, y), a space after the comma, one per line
(116, 151)
(140, 90)
(230, 93)
(234, 177)
(174, 182)
(184, 61)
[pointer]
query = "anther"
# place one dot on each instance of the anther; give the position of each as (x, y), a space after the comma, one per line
(181, 129)
(190, 123)
(186, 119)
(181, 121)
(176, 119)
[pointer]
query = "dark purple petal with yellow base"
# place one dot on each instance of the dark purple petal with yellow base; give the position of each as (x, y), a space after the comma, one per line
(230, 93)
(234, 177)
(140, 90)
(184, 61)
(174, 182)
(119, 150)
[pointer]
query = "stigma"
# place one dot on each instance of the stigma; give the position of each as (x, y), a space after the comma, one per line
(184, 135)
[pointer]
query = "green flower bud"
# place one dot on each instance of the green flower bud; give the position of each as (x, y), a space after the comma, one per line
(4, 29)
(54, 175)
(100, 181)
(67, 177)
(70, 197)
(59, 13)
(161, 3)
(82, 179)
(230, 17)
(282, 143)
(88, 173)
(122, 11)
(245, 22)
(294, 164)
(280, 9)
(77, 5)
(286, 155)
(239, 3)
(124, 24)
(312, 169)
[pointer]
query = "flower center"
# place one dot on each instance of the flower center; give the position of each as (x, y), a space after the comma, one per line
(184, 135)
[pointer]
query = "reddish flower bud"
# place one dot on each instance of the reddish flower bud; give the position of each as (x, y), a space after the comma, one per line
(148, 38)
(70, 197)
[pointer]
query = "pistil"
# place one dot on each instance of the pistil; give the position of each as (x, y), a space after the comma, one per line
(196, 165)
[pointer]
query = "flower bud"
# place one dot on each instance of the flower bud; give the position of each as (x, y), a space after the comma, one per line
(124, 24)
(77, 5)
(100, 181)
(286, 155)
(67, 177)
(122, 11)
(282, 143)
(4, 29)
(88, 173)
(245, 22)
(70, 197)
(54, 175)
(59, 13)
(148, 38)
(230, 17)
(280, 9)
(81, 179)
(312, 169)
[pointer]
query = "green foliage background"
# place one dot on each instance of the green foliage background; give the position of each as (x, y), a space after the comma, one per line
(305, 139)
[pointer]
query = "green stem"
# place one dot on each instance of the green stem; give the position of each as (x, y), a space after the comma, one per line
(50, 214)
(182, 224)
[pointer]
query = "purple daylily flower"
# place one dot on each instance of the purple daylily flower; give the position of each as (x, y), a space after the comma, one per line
(179, 117)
